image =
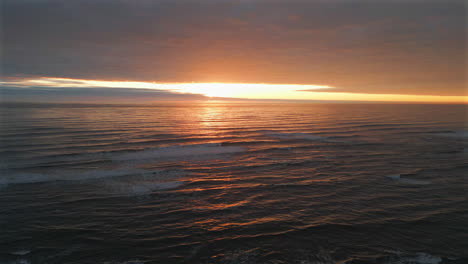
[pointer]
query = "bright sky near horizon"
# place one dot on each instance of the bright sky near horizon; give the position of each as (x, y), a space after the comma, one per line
(237, 90)
(382, 50)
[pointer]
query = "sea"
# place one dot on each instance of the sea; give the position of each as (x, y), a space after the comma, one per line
(234, 182)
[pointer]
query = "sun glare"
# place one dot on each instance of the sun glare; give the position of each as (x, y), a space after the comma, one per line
(240, 90)
(243, 90)
(228, 90)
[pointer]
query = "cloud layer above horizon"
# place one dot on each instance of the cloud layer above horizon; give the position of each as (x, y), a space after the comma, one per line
(61, 90)
(374, 47)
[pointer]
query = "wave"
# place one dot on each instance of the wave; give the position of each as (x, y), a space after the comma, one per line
(252, 256)
(21, 252)
(291, 136)
(142, 187)
(176, 152)
(70, 175)
(398, 178)
(64, 175)
(323, 256)
(133, 182)
(454, 134)
(418, 258)
(199, 151)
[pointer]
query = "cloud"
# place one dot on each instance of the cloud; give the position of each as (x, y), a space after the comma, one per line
(71, 88)
(91, 94)
(105, 92)
(386, 46)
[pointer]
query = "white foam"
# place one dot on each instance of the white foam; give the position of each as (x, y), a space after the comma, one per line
(198, 151)
(398, 178)
(306, 136)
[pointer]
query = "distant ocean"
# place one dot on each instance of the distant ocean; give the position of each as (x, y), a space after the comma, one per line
(226, 182)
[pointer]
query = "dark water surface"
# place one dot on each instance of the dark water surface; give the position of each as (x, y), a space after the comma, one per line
(234, 183)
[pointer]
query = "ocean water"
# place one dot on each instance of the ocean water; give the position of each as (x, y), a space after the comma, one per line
(225, 182)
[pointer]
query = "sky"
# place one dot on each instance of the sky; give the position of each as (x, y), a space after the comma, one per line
(381, 50)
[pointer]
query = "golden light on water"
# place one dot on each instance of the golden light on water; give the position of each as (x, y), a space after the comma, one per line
(241, 90)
